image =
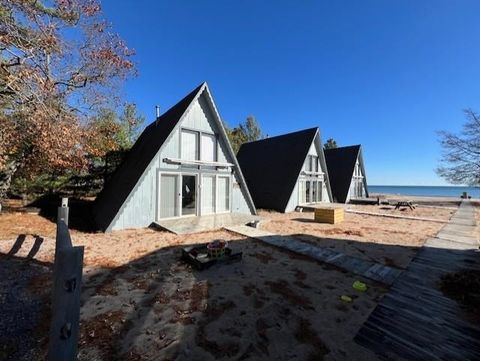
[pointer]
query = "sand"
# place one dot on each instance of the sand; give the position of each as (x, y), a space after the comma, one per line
(390, 241)
(269, 306)
(141, 302)
(429, 212)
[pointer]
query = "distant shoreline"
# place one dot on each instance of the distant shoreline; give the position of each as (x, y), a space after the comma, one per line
(421, 200)
(426, 191)
(421, 186)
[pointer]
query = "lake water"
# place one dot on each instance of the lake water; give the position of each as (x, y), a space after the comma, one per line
(432, 191)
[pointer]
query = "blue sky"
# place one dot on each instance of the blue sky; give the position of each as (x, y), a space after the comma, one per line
(387, 74)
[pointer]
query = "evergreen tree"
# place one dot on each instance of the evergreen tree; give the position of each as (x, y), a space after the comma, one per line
(330, 144)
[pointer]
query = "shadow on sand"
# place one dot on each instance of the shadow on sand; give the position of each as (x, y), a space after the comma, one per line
(272, 305)
(80, 212)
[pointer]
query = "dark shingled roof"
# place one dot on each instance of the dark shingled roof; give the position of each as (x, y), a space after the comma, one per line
(116, 190)
(340, 165)
(271, 167)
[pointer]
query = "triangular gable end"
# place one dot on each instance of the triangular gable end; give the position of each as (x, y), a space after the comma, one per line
(341, 163)
(146, 184)
(359, 159)
(316, 147)
(272, 167)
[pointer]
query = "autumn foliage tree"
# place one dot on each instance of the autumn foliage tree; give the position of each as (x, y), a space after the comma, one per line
(59, 61)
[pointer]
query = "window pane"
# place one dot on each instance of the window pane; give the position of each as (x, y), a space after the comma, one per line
(189, 145)
(208, 194)
(208, 148)
(168, 195)
(223, 194)
(301, 192)
(307, 191)
(308, 164)
(189, 202)
(319, 191)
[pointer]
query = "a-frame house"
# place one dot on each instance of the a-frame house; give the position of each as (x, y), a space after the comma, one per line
(286, 171)
(347, 173)
(182, 165)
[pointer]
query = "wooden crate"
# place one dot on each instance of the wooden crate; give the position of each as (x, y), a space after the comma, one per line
(329, 215)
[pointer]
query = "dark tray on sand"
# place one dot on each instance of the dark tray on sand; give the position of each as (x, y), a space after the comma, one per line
(198, 256)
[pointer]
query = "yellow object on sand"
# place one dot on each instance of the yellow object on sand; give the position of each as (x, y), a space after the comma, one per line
(329, 215)
(359, 286)
(345, 298)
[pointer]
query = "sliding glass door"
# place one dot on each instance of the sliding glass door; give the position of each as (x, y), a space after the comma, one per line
(189, 195)
(168, 195)
(310, 191)
(208, 194)
(223, 193)
(180, 194)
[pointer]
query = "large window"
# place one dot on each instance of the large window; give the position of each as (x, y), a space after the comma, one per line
(189, 147)
(223, 200)
(189, 195)
(308, 164)
(311, 164)
(307, 192)
(208, 194)
(209, 147)
(198, 146)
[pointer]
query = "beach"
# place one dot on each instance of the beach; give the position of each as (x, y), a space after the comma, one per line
(140, 298)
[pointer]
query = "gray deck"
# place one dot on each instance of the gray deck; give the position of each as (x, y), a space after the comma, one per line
(187, 225)
(374, 271)
(414, 320)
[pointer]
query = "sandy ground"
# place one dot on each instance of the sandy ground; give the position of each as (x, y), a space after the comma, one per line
(140, 302)
(270, 306)
(430, 212)
(385, 240)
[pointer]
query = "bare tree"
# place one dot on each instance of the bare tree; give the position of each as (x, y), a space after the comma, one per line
(460, 162)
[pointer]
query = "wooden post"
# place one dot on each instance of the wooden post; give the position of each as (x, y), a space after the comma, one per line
(62, 212)
(64, 326)
(62, 240)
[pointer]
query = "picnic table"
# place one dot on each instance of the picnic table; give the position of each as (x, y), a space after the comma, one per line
(408, 204)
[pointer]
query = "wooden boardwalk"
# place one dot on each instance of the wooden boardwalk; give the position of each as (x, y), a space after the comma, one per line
(374, 271)
(414, 320)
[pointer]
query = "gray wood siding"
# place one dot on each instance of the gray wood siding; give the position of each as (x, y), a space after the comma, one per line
(295, 196)
(140, 208)
(239, 202)
(293, 201)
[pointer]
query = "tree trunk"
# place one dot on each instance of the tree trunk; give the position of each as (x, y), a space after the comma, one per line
(6, 176)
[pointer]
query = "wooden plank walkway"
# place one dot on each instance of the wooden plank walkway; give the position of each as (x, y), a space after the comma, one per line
(395, 216)
(374, 271)
(414, 320)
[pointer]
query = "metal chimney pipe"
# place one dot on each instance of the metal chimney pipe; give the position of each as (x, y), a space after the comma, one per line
(157, 112)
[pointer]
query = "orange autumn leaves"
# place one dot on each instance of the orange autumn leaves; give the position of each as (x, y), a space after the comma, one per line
(59, 63)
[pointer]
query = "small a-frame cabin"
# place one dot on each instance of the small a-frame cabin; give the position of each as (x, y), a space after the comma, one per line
(347, 173)
(182, 165)
(286, 171)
